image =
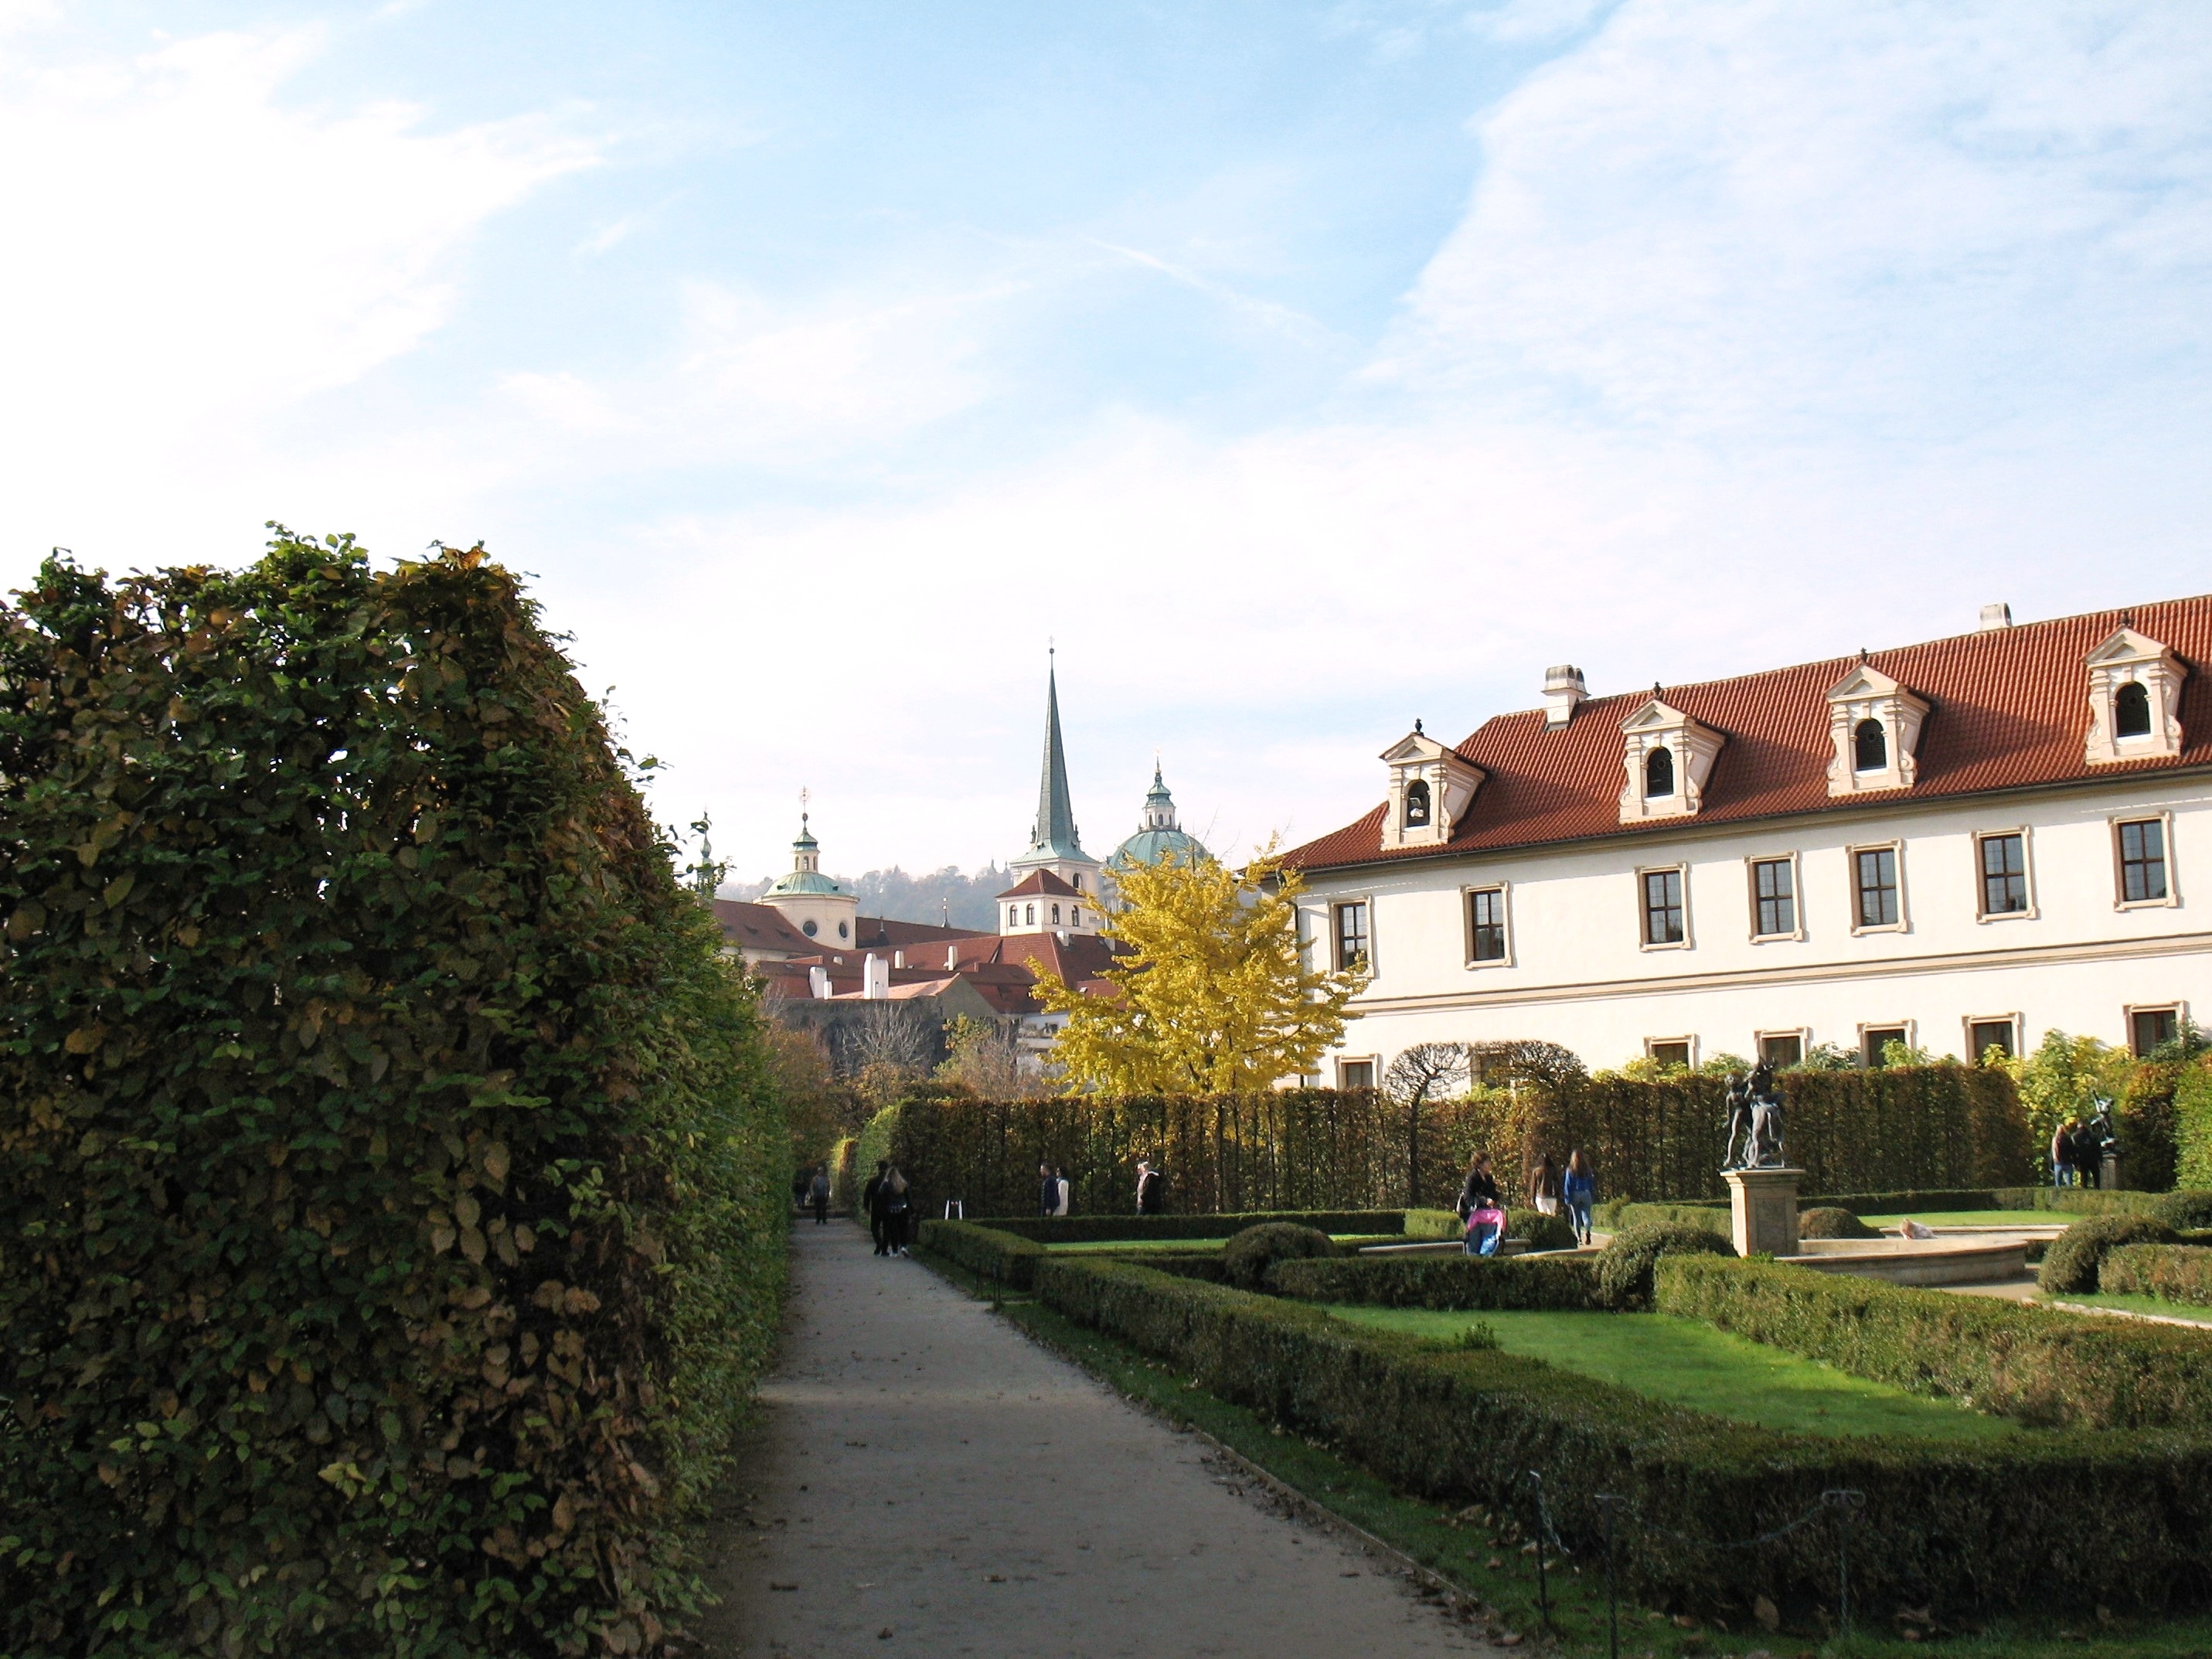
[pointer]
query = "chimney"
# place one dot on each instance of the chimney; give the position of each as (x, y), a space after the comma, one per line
(1995, 617)
(1563, 693)
(817, 981)
(898, 959)
(875, 978)
(951, 958)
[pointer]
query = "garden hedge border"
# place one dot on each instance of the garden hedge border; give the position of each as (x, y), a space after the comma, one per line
(2172, 1272)
(2033, 1520)
(2035, 1364)
(1546, 1283)
(1102, 1229)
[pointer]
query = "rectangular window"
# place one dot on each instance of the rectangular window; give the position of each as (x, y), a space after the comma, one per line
(2149, 1027)
(1983, 1035)
(1355, 1074)
(1782, 1049)
(2004, 875)
(1352, 936)
(1486, 925)
(1663, 907)
(1774, 898)
(1669, 1053)
(2143, 861)
(1873, 1039)
(1875, 871)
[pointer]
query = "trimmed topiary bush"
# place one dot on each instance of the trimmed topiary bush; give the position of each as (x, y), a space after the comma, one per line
(1246, 1258)
(391, 1202)
(1540, 1232)
(2185, 1212)
(1538, 1283)
(1829, 1223)
(2073, 1261)
(1625, 1265)
(2174, 1272)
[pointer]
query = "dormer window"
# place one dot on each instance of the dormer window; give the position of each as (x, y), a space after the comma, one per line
(1667, 757)
(1431, 789)
(2135, 700)
(1869, 748)
(1874, 723)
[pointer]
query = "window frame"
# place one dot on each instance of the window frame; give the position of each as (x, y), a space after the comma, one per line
(2179, 1008)
(1336, 903)
(1859, 768)
(2164, 819)
(1651, 756)
(2150, 715)
(1801, 1034)
(1687, 1044)
(1406, 819)
(1911, 1038)
(1372, 1062)
(1751, 863)
(1967, 1023)
(1643, 910)
(1896, 849)
(1982, 912)
(1503, 890)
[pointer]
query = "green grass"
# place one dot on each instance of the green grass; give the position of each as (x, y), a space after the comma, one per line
(1686, 1362)
(2143, 1304)
(1977, 1218)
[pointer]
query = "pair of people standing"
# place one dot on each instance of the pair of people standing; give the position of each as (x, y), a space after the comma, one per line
(886, 1200)
(1053, 1190)
(1482, 1212)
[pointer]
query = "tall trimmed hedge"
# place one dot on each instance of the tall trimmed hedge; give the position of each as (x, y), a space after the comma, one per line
(1944, 1125)
(390, 1195)
(2192, 1124)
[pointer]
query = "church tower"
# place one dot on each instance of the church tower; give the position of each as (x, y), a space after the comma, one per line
(810, 901)
(1052, 842)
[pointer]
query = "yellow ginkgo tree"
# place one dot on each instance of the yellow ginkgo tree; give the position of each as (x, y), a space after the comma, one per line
(1212, 991)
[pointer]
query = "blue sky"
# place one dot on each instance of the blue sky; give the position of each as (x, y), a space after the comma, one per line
(1300, 370)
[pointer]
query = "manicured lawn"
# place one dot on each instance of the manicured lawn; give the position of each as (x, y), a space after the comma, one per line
(1686, 1362)
(2145, 1305)
(1978, 1219)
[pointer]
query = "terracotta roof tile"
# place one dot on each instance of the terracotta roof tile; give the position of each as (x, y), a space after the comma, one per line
(1041, 881)
(2009, 709)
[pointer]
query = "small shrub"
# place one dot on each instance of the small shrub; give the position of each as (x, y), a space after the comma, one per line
(2175, 1273)
(2073, 1262)
(1624, 1267)
(1246, 1258)
(1432, 1224)
(1713, 1218)
(1481, 1337)
(2184, 1211)
(1540, 1232)
(1830, 1223)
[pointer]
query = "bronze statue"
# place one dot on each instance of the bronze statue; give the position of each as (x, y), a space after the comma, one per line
(1765, 1118)
(1738, 1156)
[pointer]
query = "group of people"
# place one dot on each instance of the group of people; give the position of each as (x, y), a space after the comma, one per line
(2078, 1149)
(888, 1203)
(1482, 1210)
(1055, 1191)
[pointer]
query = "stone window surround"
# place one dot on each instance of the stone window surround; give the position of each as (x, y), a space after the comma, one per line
(2124, 656)
(1689, 1042)
(1337, 902)
(1802, 1033)
(1688, 941)
(2179, 1007)
(1751, 863)
(1504, 892)
(1694, 746)
(1910, 1027)
(1867, 693)
(2164, 819)
(2027, 834)
(1967, 1022)
(1373, 1062)
(1903, 922)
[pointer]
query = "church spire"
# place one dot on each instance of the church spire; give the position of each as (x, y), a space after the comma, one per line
(1054, 835)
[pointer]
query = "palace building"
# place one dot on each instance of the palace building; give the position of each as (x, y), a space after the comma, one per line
(1959, 844)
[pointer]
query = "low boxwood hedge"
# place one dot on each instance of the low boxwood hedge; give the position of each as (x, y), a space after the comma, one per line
(1832, 1221)
(2176, 1272)
(1246, 1258)
(990, 1252)
(2034, 1364)
(1713, 1219)
(1097, 1228)
(2040, 1520)
(2076, 1257)
(1536, 1229)
(1526, 1282)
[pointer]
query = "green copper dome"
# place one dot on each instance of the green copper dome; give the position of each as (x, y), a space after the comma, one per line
(1161, 840)
(806, 875)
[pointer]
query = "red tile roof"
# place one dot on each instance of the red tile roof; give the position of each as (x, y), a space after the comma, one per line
(1041, 881)
(759, 927)
(2009, 709)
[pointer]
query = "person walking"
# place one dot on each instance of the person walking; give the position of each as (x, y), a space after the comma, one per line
(1062, 1190)
(2062, 1155)
(871, 1200)
(1543, 1186)
(1048, 1191)
(1151, 1189)
(818, 1195)
(894, 1199)
(1579, 1190)
(1480, 1208)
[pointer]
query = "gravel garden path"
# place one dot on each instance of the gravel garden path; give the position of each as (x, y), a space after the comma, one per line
(925, 1480)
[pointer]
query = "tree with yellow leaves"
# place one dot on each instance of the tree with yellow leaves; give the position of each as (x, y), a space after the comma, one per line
(1213, 993)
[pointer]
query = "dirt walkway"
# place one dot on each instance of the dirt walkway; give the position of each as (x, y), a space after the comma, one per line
(928, 1480)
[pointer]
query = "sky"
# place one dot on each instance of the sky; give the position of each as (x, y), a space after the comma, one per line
(1293, 371)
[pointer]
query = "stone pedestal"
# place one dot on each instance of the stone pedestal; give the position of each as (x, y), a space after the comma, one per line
(1762, 1204)
(2108, 1173)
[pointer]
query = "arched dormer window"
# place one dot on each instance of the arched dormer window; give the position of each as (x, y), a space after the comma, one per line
(1870, 747)
(2131, 710)
(1417, 803)
(1659, 774)
(1055, 915)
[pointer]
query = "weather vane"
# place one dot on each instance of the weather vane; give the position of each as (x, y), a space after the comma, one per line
(804, 797)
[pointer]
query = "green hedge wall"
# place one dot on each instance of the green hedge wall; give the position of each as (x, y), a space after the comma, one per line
(2175, 1273)
(1946, 1125)
(989, 1252)
(2039, 1366)
(2038, 1520)
(1097, 1228)
(392, 1202)
(1514, 1282)
(2192, 1124)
